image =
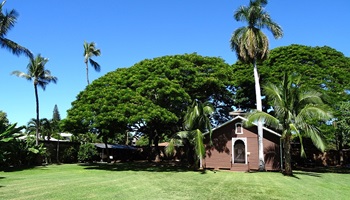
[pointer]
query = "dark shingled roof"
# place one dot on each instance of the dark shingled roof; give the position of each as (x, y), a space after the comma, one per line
(114, 146)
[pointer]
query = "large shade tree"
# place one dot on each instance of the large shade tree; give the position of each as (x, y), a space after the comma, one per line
(90, 51)
(8, 20)
(295, 109)
(252, 46)
(323, 69)
(41, 77)
(151, 97)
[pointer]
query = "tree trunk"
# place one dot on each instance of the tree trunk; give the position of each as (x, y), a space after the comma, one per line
(127, 138)
(107, 151)
(260, 124)
(37, 114)
(150, 149)
(156, 147)
(192, 160)
(340, 150)
(87, 72)
(58, 152)
(287, 155)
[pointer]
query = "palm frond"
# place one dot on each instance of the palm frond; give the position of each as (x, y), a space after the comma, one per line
(95, 65)
(273, 92)
(274, 28)
(311, 96)
(15, 48)
(312, 111)
(22, 75)
(199, 145)
(241, 14)
(170, 148)
(313, 133)
(294, 130)
(183, 134)
(266, 118)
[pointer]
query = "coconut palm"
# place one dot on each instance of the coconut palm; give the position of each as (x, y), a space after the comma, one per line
(252, 45)
(90, 51)
(7, 21)
(41, 77)
(295, 111)
(45, 127)
(196, 122)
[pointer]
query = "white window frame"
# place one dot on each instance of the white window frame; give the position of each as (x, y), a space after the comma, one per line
(244, 140)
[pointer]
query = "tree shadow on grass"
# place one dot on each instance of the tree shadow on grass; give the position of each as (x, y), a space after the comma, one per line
(139, 166)
(304, 173)
(330, 169)
(318, 171)
(15, 169)
(1, 177)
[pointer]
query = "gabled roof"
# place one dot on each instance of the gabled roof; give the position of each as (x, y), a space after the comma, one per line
(243, 119)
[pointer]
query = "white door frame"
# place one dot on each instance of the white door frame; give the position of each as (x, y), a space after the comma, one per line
(244, 140)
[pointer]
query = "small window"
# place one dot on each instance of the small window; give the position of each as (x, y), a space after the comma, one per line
(239, 128)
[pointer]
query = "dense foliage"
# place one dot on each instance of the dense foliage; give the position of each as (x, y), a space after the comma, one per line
(13, 151)
(87, 152)
(151, 97)
(323, 69)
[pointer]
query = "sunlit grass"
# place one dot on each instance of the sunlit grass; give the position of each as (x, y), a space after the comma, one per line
(144, 181)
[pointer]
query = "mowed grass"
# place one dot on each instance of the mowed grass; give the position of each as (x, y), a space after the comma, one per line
(145, 181)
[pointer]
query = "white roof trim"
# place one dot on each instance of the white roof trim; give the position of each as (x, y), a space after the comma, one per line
(243, 119)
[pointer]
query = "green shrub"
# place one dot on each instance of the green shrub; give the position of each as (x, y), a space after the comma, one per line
(69, 155)
(87, 152)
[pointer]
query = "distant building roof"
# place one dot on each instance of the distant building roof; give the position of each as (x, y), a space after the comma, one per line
(114, 146)
(66, 134)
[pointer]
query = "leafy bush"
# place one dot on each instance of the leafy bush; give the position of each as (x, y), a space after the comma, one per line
(87, 152)
(69, 155)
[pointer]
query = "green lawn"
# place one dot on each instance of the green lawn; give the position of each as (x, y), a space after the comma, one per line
(136, 181)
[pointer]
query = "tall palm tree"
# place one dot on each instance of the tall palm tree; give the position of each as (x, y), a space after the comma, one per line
(90, 51)
(251, 46)
(295, 109)
(41, 77)
(7, 21)
(196, 122)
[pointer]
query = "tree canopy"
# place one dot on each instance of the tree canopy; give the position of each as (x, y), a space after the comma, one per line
(323, 69)
(152, 96)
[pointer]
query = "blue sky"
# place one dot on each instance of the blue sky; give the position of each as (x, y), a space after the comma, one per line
(130, 31)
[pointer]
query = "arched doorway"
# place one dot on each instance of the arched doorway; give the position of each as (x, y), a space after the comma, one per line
(239, 151)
